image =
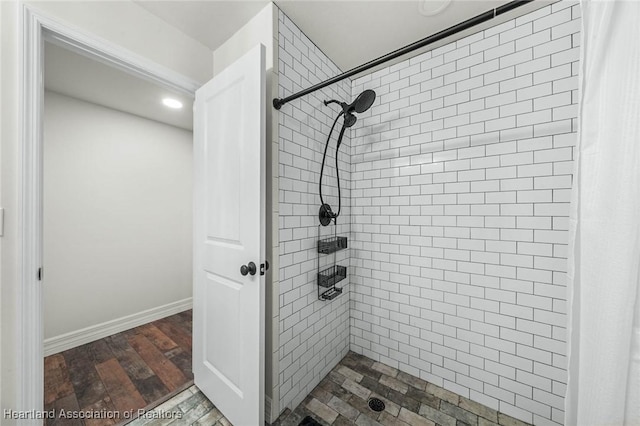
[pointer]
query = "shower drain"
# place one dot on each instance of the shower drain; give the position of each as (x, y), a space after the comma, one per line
(375, 404)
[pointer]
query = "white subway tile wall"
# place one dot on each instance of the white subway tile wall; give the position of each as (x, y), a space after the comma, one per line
(461, 177)
(314, 334)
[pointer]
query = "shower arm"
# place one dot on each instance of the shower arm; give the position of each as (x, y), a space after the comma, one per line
(346, 108)
(333, 101)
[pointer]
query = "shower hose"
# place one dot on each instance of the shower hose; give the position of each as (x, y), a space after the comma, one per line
(324, 157)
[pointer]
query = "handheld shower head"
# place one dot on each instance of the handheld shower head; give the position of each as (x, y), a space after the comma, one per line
(349, 119)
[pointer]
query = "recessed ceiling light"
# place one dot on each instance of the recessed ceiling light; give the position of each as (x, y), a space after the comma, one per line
(172, 103)
(432, 7)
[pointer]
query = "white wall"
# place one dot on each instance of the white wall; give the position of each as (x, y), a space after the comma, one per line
(122, 23)
(8, 181)
(2, 47)
(258, 30)
(128, 25)
(462, 176)
(117, 214)
(314, 334)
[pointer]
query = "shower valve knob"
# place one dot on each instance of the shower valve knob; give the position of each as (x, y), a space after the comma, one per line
(249, 268)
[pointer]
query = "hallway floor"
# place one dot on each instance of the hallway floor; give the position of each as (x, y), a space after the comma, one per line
(127, 371)
(341, 399)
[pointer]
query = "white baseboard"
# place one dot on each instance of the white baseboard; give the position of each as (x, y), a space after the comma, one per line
(73, 339)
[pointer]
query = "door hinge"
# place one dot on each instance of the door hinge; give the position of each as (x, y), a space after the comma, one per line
(39, 274)
(264, 267)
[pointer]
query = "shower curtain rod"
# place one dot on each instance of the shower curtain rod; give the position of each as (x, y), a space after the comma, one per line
(478, 19)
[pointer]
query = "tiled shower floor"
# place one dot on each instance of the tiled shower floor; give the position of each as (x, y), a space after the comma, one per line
(341, 399)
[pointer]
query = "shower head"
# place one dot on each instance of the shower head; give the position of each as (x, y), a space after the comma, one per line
(362, 103)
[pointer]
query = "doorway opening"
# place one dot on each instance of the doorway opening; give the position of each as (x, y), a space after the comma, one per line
(116, 237)
(37, 29)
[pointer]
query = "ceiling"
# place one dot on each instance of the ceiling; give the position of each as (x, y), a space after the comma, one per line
(350, 32)
(84, 78)
(211, 22)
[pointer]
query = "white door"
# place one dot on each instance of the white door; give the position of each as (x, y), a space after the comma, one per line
(229, 232)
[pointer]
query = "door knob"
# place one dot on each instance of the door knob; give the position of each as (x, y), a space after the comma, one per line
(249, 268)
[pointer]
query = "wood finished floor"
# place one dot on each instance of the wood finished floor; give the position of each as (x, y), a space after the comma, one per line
(127, 371)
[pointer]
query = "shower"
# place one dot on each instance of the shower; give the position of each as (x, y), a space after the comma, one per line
(362, 103)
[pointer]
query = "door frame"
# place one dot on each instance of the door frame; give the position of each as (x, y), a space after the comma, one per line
(36, 27)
